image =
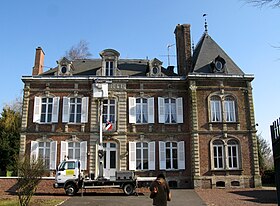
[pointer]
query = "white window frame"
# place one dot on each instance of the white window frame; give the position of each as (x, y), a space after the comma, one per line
(132, 156)
(216, 158)
(34, 154)
(233, 158)
(107, 112)
(216, 109)
(166, 110)
(37, 110)
(109, 68)
(67, 107)
(229, 106)
(180, 156)
(227, 158)
(64, 150)
(132, 110)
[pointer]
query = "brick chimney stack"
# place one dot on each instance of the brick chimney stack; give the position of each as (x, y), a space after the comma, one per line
(39, 61)
(183, 48)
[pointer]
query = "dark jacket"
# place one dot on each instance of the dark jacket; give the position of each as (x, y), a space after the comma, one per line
(162, 188)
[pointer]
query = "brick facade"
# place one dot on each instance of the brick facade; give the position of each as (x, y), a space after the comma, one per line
(196, 133)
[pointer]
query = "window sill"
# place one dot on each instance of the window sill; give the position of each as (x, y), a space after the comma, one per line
(226, 170)
(223, 122)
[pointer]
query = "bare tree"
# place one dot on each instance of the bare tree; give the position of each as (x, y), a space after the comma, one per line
(261, 3)
(265, 154)
(79, 51)
(30, 173)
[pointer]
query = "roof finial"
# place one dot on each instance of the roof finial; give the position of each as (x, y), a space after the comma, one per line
(205, 23)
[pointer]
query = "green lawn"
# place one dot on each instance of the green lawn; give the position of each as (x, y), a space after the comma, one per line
(13, 201)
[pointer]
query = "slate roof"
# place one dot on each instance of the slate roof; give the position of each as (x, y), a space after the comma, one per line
(127, 67)
(204, 54)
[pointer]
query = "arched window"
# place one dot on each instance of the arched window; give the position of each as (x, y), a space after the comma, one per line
(233, 159)
(216, 112)
(225, 154)
(218, 154)
(229, 106)
(222, 108)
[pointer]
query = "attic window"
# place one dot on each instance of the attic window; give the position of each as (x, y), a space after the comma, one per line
(63, 69)
(218, 65)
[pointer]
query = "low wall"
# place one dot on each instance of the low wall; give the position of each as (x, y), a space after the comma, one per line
(45, 187)
(8, 186)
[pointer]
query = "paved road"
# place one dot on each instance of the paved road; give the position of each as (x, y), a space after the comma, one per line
(185, 197)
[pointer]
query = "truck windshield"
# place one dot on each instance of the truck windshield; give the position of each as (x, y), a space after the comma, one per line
(67, 166)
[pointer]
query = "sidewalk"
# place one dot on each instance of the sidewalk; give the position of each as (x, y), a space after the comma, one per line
(186, 197)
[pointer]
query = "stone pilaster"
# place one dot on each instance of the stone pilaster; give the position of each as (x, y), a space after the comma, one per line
(253, 135)
(24, 119)
(194, 133)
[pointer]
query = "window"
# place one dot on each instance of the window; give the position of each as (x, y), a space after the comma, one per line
(75, 109)
(109, 68)
(225, 154)
(170, 110)
(218, 150)
(216, 112)
(229, 109)
(141, 155)
(74, 150)
(233, 154)
(172, 155)
(66, 166)
(46, 151)
(222, 109)
(109, 111)
(46, 109)
(141, 110)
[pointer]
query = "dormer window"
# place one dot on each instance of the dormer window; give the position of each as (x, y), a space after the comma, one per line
(218, 65)
(109, 68)
(65, 67)
(155, 68)
(110, 59)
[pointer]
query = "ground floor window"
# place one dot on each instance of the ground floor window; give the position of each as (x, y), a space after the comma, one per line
(46, 151)
(74, 150)
(142, 156)
(225, 154)
(172, 155)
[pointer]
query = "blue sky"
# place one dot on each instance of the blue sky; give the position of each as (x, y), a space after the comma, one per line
(140, 29)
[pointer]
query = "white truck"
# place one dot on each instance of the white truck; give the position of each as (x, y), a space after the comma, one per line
(70, 177)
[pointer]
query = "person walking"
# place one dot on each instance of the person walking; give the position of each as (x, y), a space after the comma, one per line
(160, 191)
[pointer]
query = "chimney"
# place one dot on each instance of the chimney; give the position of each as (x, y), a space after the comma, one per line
(183, 48)
(39, 61)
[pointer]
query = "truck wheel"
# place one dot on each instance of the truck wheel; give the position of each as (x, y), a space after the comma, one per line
(71, 190)
(128, 189)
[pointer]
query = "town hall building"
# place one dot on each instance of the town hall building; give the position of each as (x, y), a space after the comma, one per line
(196, 125)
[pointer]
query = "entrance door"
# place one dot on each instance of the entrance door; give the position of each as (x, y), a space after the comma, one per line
(110, 160)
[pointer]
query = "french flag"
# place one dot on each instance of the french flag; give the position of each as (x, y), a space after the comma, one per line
(108, 126)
